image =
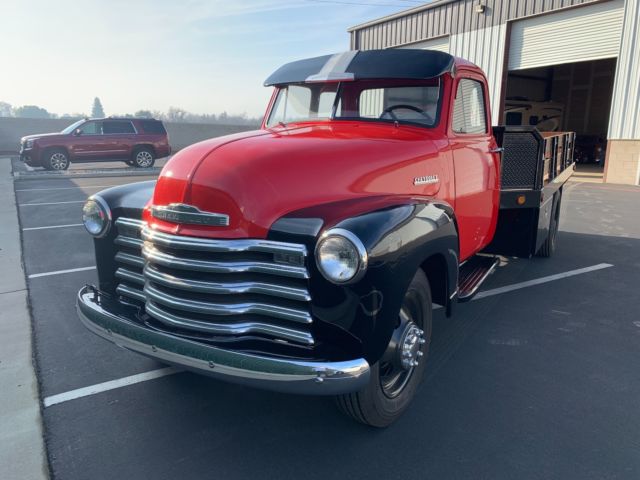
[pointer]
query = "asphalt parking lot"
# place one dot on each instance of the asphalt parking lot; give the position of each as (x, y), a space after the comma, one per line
(536, 378)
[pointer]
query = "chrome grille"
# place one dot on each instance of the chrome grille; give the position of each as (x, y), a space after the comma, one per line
(129, 259)
(217, 287)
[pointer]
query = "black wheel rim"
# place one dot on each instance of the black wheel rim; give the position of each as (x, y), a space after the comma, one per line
(394, 376)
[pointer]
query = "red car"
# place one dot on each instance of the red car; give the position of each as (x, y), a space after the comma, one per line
(306, 256)
(136, 141)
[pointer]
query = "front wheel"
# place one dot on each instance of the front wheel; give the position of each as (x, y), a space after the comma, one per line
(56, 160)
(143, 158)
(396, 376)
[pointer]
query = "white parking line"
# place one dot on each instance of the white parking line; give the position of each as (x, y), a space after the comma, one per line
(53, 226)
(538, 281)
(50, 203)
(163, 372)
(110, 385)
(59, 272)
(63, 188)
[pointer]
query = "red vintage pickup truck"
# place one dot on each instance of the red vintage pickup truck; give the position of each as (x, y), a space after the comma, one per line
(306, 256)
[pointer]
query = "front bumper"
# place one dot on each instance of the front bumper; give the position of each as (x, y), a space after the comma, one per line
(291, 376)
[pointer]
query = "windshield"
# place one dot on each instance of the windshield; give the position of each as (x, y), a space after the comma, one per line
(402, 101)
(72, 127)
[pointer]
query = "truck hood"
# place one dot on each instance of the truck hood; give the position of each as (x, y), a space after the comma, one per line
(258, 177)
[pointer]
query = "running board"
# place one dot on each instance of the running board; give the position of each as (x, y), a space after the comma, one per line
(472, 273)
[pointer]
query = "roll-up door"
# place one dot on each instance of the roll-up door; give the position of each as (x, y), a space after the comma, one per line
(573, 35)
(441, 44)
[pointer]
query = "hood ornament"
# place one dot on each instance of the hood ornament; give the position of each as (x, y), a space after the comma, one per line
(182, 213)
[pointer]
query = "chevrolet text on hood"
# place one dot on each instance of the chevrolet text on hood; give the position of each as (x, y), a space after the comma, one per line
(305, 257)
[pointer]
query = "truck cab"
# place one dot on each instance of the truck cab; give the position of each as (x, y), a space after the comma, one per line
(306, 256)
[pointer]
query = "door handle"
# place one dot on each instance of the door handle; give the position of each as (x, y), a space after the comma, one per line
(496, 150)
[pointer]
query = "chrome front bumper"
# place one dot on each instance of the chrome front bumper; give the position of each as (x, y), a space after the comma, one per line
(291, 376)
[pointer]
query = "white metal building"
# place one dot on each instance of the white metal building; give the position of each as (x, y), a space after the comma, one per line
(580, 55)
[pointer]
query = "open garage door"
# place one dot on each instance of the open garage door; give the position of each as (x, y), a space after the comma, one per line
(441, 44)
(573, 35)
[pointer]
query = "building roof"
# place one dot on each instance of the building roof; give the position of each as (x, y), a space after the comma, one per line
(403, 13)
(367, 64)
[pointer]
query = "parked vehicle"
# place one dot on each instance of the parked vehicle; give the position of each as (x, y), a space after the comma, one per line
(136, 141)
(590, 149)
(545, 116)
(306, 256)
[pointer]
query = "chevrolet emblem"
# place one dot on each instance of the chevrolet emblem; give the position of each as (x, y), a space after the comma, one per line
(181, 213)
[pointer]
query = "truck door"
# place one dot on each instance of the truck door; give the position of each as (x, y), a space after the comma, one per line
(475, 166)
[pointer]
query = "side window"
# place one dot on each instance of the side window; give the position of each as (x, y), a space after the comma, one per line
(91, 128)
(152, 126)
(115, 127)
(469, 114)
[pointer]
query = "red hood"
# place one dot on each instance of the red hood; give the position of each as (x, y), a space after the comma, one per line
(257, 177)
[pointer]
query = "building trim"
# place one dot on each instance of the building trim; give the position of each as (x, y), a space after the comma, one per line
(437, 37)
(400, 14)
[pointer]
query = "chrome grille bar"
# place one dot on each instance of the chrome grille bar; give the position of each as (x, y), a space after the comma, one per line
(206, 286)
(155, 256)
(130, 223)
(130, 259)
(198, 306)
(240, 328)
(128, 242)
(127, 291)
(130, 276)
(221, 246)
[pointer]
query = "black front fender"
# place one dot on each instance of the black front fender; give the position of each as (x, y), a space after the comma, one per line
(123, 201)
(399, 240)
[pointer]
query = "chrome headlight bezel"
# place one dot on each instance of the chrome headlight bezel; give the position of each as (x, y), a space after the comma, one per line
(29, 142)
(97, 204)
(351, 241)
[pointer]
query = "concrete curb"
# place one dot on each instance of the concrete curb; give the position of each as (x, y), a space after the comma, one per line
(148, 172)
(22, 451)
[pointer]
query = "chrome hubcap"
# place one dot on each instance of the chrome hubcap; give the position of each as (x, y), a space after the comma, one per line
(409, 347)
(402, 355)
(58, 161)
(144, 159)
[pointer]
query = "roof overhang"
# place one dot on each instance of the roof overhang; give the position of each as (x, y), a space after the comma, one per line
(365, 64)
(401, 14)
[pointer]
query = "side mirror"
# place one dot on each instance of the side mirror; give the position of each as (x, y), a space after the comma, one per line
(77, 132)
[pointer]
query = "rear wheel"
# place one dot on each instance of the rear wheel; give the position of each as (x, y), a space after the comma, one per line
(143, 157)
(57, 159)
(549, 246)
(396, 376)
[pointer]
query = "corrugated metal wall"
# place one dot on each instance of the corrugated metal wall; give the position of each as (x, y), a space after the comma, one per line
(485, 48)
(624, 123)
(449, 17)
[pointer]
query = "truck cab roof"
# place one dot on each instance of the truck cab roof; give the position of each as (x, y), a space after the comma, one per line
(368, 64)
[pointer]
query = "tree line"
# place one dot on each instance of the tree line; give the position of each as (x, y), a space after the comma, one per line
(173, 114)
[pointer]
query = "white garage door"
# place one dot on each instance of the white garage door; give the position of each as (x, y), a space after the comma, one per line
(574, 35)
(441, 44)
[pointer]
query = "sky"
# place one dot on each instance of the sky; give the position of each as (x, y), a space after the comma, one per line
(204, 56)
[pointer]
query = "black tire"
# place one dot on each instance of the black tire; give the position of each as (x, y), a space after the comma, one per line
(56, 159)
(143, 157)
(548, 248)
(377, 404)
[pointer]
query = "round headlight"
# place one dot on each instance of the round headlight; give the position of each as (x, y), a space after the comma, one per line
(96, 216)
(341, 256)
